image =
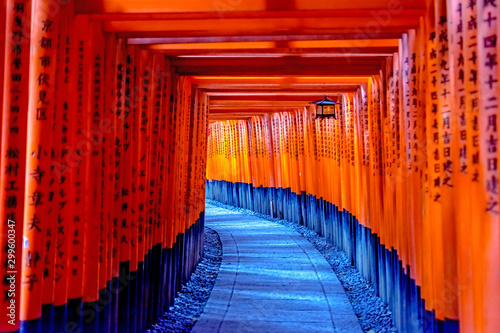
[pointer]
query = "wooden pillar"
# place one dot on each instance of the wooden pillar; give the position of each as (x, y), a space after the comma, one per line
(37, 225)
(15, 93)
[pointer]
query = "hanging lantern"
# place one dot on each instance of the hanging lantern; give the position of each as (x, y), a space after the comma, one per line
(326, 108)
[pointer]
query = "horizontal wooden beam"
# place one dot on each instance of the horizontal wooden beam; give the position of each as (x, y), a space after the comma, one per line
(332, 40)
(226, 8)
(217, 119)
(280, 88)
(251, 112)
(249, 106)
(265, 95)
(281, 70)
(278, 66)
(283, 61)
(280, 79)
(311, 48)
(275, 97)
(261, 26)
(279, 52)
(214, 120)
(284, 85)
(181, 36)
(266, 70)
(259, 45)
(380, 16)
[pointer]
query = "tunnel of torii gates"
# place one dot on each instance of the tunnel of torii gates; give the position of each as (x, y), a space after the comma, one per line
(120, 117)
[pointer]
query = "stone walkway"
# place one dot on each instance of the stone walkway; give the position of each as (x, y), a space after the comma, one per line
(271, 280)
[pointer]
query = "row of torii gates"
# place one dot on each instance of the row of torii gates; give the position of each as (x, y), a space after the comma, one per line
(119, 117)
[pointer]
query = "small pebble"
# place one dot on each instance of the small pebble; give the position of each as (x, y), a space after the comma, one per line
(192, 298)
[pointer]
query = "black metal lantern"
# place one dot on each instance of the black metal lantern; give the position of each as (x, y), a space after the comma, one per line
(326, 108)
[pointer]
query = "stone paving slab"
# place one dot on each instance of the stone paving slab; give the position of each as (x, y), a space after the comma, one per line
(271, 279)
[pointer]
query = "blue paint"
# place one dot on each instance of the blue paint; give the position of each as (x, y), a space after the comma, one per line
(134, 300)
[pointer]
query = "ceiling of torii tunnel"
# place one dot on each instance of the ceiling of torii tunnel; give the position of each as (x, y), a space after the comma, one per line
(131, 129)
(254, 57)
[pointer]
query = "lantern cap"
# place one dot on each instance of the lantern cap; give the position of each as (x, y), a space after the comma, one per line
(325, 101)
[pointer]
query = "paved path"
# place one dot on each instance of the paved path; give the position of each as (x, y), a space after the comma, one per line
(271, 280)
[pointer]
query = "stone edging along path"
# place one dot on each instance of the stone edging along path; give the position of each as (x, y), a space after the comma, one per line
(271, 280)
(372, 313)
(193, 297)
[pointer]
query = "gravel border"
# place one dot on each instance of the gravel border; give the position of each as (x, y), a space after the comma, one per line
(193, 297)
(373, 314)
